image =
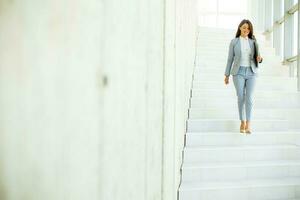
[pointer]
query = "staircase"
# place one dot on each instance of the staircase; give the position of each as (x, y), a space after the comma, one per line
(220, 163)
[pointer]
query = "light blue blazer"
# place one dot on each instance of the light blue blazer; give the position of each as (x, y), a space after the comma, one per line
(234, 56)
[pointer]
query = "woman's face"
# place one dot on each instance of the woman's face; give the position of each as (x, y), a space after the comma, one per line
(245, 30)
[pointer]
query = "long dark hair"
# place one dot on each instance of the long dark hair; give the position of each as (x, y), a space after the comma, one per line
(250, 35)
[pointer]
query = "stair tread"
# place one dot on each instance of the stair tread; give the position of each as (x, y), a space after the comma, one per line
(266, 91)
(235, 133)
(196, 185)
(240, 164)
(266, 109)
(253, 146)
(226, 119)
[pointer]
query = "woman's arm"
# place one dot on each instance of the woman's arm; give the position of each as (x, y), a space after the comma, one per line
(230, 58)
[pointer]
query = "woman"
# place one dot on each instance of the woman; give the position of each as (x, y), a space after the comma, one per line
(242, 64)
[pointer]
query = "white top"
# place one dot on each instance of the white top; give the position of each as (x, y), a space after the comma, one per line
(245, 52)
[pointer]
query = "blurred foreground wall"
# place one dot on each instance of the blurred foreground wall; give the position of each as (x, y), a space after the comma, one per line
(94, 97)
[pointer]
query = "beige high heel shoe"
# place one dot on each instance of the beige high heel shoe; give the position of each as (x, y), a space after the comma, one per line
(247, 129)
(242, 128)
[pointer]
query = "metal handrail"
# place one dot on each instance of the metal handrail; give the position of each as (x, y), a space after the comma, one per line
(293, 9)
(290, 59)
(288, 13)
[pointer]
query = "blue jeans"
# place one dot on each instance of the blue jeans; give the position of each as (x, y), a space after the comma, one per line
(244, 82)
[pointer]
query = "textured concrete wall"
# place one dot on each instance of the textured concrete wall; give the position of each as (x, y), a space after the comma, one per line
(94, 98)
(50, 100)
(179, 61)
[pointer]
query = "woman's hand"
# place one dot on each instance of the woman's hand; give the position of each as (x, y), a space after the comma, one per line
(259, 59)
(226, 80)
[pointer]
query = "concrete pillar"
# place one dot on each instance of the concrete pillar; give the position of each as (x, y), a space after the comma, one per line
(257, 14)
(268, 17)
(288, 31)
(278, 28)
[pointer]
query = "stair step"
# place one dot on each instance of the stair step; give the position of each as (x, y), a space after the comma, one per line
(259, 189)
(237, 171)
(212, 76)
(197, 139)
(205, 41)
(262, 84)
(211, 63)
(257, 113)
(230, 91)
(261, 73)
(230, 103)
(207, 38)
(240, 184)
(237, 153)
(219, 68)
(219, 58)
(220, 53)
(202, 125)
(218, 165)
(218, 77)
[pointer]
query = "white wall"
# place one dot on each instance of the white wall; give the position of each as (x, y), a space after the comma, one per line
(222, 14)
(65, 132)
(256, 11)
(228, 14)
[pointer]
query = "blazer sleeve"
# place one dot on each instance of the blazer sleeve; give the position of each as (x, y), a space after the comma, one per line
(230, 58)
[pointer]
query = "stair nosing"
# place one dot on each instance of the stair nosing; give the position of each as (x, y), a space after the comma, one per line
(235, 133)
(240, 184)
(253, 146)
(240, 164)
